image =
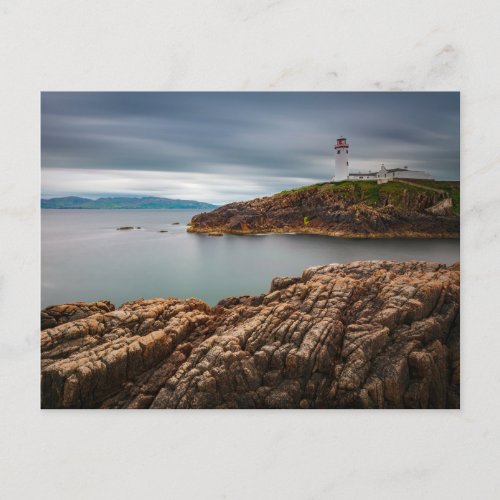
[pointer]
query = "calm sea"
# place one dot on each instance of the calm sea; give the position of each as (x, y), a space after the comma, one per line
(85, 258)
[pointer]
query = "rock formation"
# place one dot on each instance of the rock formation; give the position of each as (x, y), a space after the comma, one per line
(348, 209)
(374, 334)
(64, 313)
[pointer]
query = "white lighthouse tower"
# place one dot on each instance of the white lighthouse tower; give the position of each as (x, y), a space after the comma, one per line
(341, 160)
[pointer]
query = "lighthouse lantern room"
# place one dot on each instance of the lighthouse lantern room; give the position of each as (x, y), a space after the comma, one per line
(341, 160)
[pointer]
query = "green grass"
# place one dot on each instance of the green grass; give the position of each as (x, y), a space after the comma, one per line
(298, 190)
(450, 187)
(372, 194)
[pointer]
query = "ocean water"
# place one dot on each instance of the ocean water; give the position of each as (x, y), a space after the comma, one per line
(84, 257)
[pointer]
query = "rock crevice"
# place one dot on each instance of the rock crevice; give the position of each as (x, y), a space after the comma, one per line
(373, 334)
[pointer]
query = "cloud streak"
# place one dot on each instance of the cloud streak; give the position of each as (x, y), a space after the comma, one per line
(208, 187)
(222, 147)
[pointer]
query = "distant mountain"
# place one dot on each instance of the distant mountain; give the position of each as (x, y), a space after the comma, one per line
(77, 202)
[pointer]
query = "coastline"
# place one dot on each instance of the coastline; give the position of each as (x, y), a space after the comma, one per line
(361, 209)
(322, 232)
(368, 334)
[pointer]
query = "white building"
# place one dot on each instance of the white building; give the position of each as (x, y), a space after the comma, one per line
(341, 160)
(381, 176)
(387, 174)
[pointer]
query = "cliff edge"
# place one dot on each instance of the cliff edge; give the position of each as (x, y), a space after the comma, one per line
(373, 334)
(353, 209)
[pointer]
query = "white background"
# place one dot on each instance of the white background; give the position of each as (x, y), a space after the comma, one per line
(248, 45)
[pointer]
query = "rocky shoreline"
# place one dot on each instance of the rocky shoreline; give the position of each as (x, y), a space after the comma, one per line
(371, 334)
(403, 234)
(346, 210)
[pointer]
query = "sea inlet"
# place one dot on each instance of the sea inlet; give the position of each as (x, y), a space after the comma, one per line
(85, 257)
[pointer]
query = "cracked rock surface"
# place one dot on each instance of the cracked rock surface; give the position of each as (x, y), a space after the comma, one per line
(57, 315)
(371, 334)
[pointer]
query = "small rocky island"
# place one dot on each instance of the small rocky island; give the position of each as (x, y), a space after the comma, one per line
(372, 334)
(351, 209)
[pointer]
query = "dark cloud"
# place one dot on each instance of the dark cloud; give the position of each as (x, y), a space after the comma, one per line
(268, 135)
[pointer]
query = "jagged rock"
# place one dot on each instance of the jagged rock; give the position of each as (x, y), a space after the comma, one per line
(281, 283)
(64, 313)
(349, 209)
(443, 207)
(374, 334)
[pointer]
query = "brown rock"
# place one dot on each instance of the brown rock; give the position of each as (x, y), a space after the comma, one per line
(349, 209)
(374, 334)
(64, 313)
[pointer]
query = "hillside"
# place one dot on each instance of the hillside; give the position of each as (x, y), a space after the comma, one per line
(410, 209)
(75, 202)
(374, 334)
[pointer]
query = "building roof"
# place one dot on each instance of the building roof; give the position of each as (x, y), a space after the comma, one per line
(374, 174)
(387, 169)
(366, 174)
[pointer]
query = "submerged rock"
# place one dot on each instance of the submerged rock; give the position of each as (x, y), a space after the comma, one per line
(128, 228)
(374, 334)
(215, 234)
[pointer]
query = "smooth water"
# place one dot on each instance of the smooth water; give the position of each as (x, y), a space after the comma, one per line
(85, 258)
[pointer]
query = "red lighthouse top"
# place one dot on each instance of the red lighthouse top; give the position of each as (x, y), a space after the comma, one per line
(341, 143)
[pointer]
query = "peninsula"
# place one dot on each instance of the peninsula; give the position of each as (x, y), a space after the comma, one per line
(401, 208)
(151, 202)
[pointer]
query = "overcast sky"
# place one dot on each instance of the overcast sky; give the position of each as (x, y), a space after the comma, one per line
(220, 147)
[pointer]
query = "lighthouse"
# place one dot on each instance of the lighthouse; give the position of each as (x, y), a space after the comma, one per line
(341, 160)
